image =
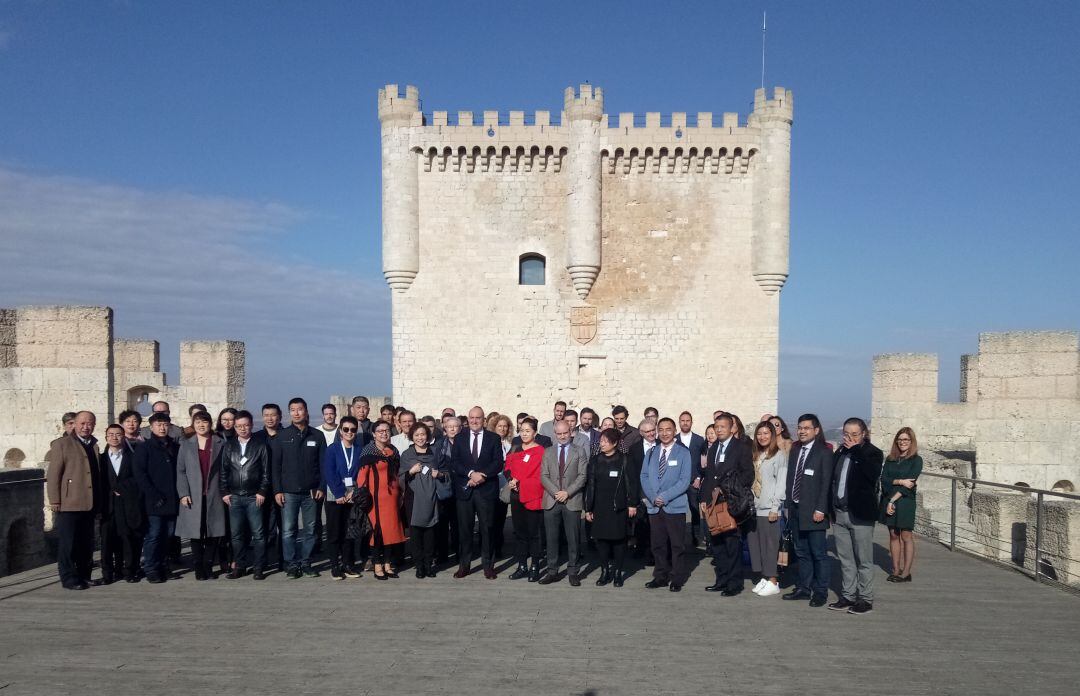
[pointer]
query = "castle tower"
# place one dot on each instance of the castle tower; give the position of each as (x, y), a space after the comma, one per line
(772, 188)
(583, 112)
(400, 187)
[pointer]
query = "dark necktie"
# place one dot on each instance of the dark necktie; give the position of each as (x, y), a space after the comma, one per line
(562, 466)
(663, 462)
(475, 447)
(796, 484)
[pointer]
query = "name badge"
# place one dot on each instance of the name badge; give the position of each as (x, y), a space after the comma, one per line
(808, 472)
(722, 458)
(348, 481)
(613, 474)
(673, 462)
(425, 470)
(243, 461)
(526, 458)
(310, 443)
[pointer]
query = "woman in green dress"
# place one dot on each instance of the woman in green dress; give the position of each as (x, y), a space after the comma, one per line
(898, 481)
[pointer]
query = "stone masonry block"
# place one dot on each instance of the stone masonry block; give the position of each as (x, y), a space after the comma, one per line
(1029, 341)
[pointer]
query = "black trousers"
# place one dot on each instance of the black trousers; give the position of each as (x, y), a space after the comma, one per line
(339, 549)
(75, 546)
(498, 527)
(727, 557)
(205, 550)
(608, 549)
(272, 531)
(643, 536)
(527, 526)
(668, 531)
(120, 550)
(446, 531)
(481, 509)
(423, 545)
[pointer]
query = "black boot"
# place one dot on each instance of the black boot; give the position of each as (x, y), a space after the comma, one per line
(430, 569)
(618, 577)
(534, 572)
(421, 570)
(605, 576)
(522, 571)
(198, 563)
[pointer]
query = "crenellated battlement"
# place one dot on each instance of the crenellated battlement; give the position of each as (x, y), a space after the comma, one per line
(779, 108)
(543, 128)
(586, 104)
(399, 109)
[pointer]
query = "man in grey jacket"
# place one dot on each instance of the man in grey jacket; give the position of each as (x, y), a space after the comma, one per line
(562, 474)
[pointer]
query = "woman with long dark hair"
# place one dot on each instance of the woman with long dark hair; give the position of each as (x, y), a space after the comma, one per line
(898, 489)
(226, 421)
(379, 464)
(770, 479)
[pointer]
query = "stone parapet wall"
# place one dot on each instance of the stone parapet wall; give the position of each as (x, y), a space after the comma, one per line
(1019, 411)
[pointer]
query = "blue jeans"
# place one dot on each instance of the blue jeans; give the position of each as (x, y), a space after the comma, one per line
(297, 504)
(156, 543)
(810, 549)
(246, 517)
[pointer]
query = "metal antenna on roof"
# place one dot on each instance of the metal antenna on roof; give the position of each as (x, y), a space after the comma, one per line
(763, 49)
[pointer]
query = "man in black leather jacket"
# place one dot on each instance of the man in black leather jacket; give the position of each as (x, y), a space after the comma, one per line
(245, 486)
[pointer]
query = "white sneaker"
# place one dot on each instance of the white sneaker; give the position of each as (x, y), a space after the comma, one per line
(760, 586)
(769, 590)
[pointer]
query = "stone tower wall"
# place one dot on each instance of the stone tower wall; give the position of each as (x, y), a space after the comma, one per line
(651, 233)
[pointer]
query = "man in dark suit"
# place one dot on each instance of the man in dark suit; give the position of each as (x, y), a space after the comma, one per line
(475, 463)
(155, 470)
(635, 459)
(856, 468)
(809, 480)
(696, 444)
(122, 510)
(730, 467)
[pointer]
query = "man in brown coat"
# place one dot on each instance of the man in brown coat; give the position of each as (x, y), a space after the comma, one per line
(73, 488)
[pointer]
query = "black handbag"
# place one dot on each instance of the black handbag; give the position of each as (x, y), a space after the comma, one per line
(359, 522)
(786, 547)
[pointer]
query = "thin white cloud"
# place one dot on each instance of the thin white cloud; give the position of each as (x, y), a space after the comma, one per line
(177, 266)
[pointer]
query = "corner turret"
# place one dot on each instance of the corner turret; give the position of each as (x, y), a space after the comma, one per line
(583, 112)
(772, 189)
(400, 186)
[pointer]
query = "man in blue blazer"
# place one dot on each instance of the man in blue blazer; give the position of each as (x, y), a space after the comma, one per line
(476, 460)
(665, 475)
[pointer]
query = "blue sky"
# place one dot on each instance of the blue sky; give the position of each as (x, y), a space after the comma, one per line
(217, 164)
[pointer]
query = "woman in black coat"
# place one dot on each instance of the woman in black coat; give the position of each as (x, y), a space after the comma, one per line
(611, 498)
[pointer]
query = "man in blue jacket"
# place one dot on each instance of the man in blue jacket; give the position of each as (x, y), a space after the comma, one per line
(665, 476)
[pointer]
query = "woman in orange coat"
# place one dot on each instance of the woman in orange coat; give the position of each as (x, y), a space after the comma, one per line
(379, 463)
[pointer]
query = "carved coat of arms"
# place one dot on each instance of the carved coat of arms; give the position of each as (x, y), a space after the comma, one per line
(583, 324)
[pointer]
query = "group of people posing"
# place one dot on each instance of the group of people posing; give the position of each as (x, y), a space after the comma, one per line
(366, 489)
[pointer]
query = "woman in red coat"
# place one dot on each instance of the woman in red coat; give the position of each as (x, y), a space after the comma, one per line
(379, 463)
(522, 471)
